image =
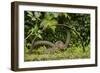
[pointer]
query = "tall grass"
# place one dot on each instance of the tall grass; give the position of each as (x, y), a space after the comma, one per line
(42, 53)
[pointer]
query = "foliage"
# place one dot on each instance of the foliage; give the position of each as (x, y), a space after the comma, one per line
(42, 53)
(43, 26)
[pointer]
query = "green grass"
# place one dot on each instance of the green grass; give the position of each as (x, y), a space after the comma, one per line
(42, 53)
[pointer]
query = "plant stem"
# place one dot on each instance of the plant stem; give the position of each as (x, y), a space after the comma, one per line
(28, 36)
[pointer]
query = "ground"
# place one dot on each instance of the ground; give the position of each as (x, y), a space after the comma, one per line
(42, 53)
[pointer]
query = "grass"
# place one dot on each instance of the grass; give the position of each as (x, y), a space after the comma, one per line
(42, 53)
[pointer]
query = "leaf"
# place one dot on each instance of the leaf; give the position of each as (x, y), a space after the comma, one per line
(66, 15)
(55, 14)
(39, 31)
(43, 23)
(33, 18)
(49, 16)
(49, 24)
(30, 14)
(39, 36)
(53, 25)
(37, 14)
(35, 29)
(53, 28)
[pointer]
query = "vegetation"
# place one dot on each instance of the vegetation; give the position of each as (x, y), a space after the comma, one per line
(74, 30)
(70, 53)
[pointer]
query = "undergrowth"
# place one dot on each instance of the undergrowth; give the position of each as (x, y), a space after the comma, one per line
(42, 53)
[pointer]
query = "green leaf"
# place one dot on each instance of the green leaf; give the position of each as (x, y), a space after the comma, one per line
(53, 28)
(53, 25)
(49, 24)
(39, 31)
(66, 15)
(55, 14)
(35, 29)
(33, 18)
(39, 36)
(30, 14)
(37, 14)
(49, 16)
